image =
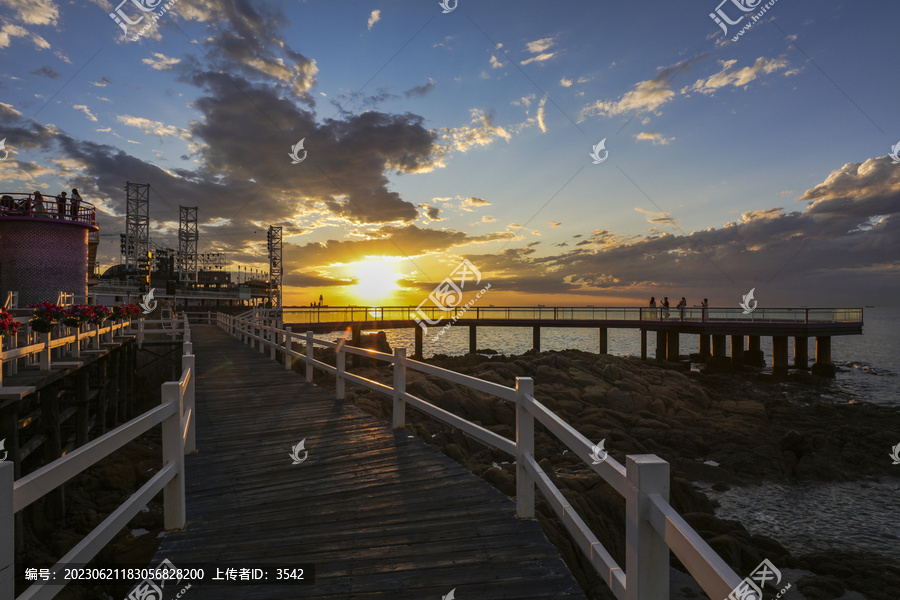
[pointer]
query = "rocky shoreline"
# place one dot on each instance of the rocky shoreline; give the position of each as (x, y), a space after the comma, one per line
(724, 429)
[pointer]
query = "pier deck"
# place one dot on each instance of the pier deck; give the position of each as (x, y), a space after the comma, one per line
(380, 513)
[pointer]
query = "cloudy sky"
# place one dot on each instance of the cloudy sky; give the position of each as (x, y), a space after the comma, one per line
(435, 136)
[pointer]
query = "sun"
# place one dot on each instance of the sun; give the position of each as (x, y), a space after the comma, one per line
(375, 281)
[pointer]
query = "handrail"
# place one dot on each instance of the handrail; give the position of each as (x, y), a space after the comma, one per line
(672, 315)
(54, 208)
(174, 413)
(40, 345)
(652, 526)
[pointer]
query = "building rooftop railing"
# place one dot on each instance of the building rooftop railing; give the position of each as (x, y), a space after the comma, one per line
(50, 208)
(431, 314)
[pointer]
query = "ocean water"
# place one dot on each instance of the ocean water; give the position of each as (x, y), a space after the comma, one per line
(868, 364)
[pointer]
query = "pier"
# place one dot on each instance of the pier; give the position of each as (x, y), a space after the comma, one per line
(663, 327)
(376, 510)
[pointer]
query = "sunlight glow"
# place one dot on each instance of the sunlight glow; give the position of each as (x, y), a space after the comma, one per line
(376, 281)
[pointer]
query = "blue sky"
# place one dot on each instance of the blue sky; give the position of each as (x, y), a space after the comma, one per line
(435, 137)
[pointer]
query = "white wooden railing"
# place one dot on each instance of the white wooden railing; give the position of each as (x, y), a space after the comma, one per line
(177, 416)
(40, 347)
(652, 526)
(70, 341)
(12, 301)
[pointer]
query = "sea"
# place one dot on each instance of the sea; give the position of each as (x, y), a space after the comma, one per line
(868, 364)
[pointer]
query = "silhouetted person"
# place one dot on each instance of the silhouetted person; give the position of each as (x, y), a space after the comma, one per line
(61, 205)
(665, 305)
(76, 204)
(683, 303)
(705, 305)
(39, 209)
(652, 301)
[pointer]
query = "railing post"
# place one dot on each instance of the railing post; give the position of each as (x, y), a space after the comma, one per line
(340, 363)
(288, 346)
(140, 333)
(524, 447)
(76, 349)
(173, 452)
(309, 356)
(262, 334)
(646, 552)
(273, 342)
(45, 353)
(7, 531)
(399, 387)
(188, 362)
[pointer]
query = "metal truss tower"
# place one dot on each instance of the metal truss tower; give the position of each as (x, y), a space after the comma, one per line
(188, 234)
(275, 266)
(137, 224)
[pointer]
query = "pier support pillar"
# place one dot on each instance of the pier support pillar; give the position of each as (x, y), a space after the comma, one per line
(823, 365)
(754, 354)
(801, 352)
(737, 350)
(660, 345)
(779, 354)
(604, 340)
(536, 339)
(418, 353)
(643, 344)
(673, 348)
(704, 345)
(719, 359)
(473, 339)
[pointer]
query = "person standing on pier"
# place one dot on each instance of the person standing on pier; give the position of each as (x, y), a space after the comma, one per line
(681, 306)
(61, 206)
(76, 204)
(39, 210)
(652, 301)
(705, 306)
(665, 305)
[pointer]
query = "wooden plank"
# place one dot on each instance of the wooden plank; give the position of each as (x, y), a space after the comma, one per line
(379, 512)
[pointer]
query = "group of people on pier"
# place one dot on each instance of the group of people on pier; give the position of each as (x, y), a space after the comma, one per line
(62, 206)
(664, 306)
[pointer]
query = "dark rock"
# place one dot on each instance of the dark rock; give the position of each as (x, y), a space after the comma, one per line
(824, 370)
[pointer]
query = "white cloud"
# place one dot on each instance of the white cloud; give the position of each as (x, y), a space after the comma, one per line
(85, 110)
(161, 62)
(657, 138)
(481, 132)
(541, 112)
(374, 18)
(539, 58)
(153, 127)
(34, 12)
(739, 78)
(495, 63)
(565, 82)
(538, 46)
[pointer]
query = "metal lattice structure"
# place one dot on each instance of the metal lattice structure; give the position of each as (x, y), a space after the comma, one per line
(188, 235)
(137, 224)
(275, 247)
(213, 260)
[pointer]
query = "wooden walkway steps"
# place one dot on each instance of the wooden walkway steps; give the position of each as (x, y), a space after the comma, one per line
(379, 512)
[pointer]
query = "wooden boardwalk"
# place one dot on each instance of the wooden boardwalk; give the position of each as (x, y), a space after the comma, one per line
(380, 513)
